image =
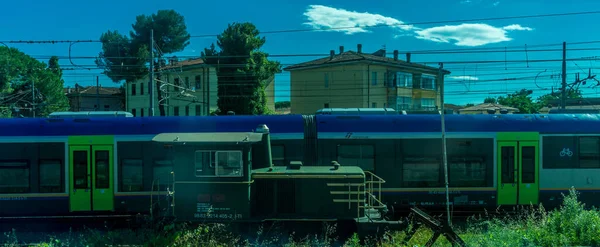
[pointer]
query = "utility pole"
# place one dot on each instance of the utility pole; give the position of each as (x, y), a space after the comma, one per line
(97, 93)
(444, 153)
(33, 98)
(563, 97)
(151, 83)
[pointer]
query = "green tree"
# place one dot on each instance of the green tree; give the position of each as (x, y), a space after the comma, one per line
(126, 58)
(23, 73)
(282, 104)
(544, 100)
(521, 100)
(242, 69)
(490, 100)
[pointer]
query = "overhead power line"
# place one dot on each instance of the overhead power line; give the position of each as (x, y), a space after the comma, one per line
(416, 23)
(333, 28)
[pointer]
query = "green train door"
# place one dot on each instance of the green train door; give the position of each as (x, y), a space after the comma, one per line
(91, 177)
(518, 167)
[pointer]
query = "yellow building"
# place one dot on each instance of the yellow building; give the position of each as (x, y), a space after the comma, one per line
(358, 80)
(190, 88)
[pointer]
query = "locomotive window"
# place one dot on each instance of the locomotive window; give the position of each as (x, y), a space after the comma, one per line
(278, 153)
(229, 163)
(204, 163)
(421, 172)
(14, 177)
(102, 169)
(362, 156)
(589, 148)
(131, 175)
(50, 176)
(162, 173)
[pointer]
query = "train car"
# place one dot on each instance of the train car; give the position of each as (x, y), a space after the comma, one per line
(80, 165)
(493, 160)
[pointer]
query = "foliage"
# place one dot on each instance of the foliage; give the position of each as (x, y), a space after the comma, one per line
(126, 57)
(544, 100)
(520, 100)
(282, 104)
(242, 69)
(523, 101)
(572, 224)
(490, 100)
(21, 74)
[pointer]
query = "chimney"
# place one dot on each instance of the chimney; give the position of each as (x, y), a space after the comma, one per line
(331, 54)
(395, 55)
(341, 49)
(359, 48)
(173, 60)
(408, 57)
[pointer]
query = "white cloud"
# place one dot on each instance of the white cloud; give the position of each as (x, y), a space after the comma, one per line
(496, 4)
(323, 17)
(517, 27)
(331, 19)
(464, 78)
(468, 34)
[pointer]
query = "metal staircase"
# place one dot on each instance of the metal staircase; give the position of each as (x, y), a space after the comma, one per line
(363, 194)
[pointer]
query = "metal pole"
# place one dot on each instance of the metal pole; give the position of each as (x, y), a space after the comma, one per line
(33, 98)
(564, 77)
(97, 93)
(151, 83)
(444, 153)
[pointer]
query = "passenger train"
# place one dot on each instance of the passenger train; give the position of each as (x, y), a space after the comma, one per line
(80, 165)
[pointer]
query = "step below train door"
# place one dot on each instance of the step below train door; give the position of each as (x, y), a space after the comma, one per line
(518, 168)
(91, 169)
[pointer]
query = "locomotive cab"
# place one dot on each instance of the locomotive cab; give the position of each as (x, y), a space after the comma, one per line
(210, 175)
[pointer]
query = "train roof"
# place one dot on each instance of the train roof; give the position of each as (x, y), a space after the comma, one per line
(147, 125)
(543, 123)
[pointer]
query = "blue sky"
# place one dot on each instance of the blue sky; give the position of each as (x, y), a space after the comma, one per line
(469, 82)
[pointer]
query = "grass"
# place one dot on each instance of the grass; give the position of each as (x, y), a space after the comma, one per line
(570, 225)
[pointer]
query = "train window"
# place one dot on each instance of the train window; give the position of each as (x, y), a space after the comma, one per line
(131, 175)
(229, 163)
(508, 165)
(421, 172)
(102, 169)
(528, 165)
(50, 176)
(559, 152)
(589, 148)
(80, 169)
(470, 162)
(362, 156)
(14, 177)
(278, 154)
(467, 172)
(162, 173)
(204, 163)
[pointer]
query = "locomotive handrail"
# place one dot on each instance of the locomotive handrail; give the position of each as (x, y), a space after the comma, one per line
(372, 174)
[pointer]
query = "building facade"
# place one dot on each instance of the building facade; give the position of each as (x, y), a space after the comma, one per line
(95, 98)
(189, 88)
(352, 79)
